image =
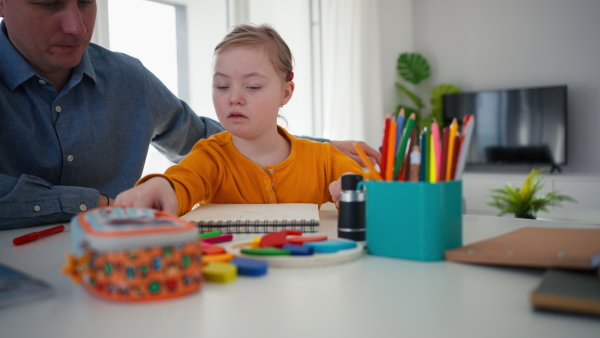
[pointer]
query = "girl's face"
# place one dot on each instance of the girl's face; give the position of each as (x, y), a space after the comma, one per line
(247, 91)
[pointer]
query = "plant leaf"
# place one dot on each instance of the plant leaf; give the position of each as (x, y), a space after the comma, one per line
(437, 94)
(526, 200)
(412, 67)
(411, 95)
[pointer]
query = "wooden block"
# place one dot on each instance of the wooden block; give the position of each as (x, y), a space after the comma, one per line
(305, 239)
(330, 246)
(218, 238)
(219, 272)
(274, 239)
(250, 267)
(265, 252)
(224, 257)
(213, 250)
(299, 250)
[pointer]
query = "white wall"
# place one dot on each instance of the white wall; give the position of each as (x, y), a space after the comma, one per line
(396, 36)
(491, 44)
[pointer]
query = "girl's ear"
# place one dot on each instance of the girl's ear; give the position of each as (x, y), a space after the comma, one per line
(288, 90)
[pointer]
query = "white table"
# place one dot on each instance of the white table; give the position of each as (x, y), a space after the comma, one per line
(370, 297)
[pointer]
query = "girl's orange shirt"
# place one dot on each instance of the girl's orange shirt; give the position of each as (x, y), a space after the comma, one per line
(215, 172)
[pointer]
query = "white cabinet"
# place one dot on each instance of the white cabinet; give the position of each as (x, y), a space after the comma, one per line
(476, 189)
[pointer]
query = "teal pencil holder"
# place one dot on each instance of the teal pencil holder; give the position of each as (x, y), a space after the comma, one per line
(413, 220)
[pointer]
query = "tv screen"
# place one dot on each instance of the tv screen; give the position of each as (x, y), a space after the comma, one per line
(524, 126)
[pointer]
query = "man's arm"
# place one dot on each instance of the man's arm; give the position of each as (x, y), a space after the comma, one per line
(347, 147)
(29, 200)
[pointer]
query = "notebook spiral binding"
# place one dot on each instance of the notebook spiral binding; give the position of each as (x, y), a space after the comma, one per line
(258, 226)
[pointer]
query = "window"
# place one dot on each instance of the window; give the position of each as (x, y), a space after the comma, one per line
(175, 40)
(157, 39)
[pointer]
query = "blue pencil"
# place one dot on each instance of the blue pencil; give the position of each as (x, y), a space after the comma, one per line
(399, 125)
(424, 161)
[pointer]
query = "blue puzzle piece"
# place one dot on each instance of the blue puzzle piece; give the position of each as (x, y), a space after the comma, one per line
(249, 267)
(330, 246)
(299, 250)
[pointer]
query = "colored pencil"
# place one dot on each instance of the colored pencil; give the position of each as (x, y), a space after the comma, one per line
(415, 163)
(365, 159)
(455, 157)
(399, 126)
(405, 136)
(423, 143)
(445, 138)
(425, 151)
(437, 148)
(451, 142)
(384, 144)
(464, 148)
(404, 170)
(432, 165)
(391, 152)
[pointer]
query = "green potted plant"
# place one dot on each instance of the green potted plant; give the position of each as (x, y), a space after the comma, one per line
(525, 202)
(414, 68)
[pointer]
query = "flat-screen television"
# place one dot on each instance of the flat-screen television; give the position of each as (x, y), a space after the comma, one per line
(514, 127)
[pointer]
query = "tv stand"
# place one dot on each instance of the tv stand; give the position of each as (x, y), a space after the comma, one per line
(555, 167)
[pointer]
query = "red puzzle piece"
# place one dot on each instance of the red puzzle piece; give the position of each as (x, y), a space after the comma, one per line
(304, 239)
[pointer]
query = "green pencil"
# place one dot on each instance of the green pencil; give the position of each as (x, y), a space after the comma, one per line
(410, 123)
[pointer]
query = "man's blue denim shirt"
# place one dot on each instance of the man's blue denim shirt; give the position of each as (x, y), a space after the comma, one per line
(59, 151)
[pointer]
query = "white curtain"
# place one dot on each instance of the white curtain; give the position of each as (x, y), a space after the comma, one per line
(352, 95)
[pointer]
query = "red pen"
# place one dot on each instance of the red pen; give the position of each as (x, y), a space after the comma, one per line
(36, 235)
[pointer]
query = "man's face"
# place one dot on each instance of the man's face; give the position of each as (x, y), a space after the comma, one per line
(50, 34)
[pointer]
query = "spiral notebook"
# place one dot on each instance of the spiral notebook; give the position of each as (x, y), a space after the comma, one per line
(255, 218)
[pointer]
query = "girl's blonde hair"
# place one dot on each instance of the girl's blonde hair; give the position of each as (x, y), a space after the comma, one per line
(251, 35)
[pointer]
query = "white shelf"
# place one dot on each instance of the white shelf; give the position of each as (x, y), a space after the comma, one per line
(476, 189)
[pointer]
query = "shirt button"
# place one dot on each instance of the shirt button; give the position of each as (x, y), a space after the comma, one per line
(268, 186)
(82, 207)
(58, 109)
(42, 82)
(272, 184)
(271, 171)
(271, 198)
(70, 158)
(37, 208)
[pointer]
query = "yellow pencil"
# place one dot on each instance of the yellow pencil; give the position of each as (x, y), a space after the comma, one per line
(366, 161)
(432, 160)
(451, 150)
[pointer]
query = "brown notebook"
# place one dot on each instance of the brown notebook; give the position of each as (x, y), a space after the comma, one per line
(535, 247)
(569, 291)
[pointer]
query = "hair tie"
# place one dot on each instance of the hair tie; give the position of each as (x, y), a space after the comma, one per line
(291, 76)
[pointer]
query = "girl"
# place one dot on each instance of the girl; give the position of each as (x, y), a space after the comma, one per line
(255, 160)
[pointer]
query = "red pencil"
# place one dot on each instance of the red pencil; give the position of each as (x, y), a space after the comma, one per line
(37, 235)
(384, 145)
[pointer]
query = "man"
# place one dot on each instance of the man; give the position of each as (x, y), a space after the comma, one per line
(76, 120)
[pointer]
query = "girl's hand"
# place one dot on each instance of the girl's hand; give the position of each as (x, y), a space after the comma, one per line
(156, 193)
(335, 188)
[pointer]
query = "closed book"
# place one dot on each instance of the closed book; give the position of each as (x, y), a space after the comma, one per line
(255, 218)
(568, 291)
(535, 247)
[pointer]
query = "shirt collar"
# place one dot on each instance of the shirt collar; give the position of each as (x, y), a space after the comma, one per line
(14, 70)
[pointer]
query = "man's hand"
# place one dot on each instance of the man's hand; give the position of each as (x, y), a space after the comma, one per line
(105, 201)
(155, 193)
(347, 147)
